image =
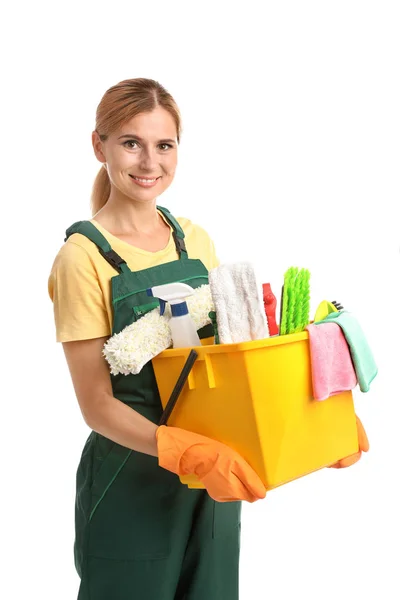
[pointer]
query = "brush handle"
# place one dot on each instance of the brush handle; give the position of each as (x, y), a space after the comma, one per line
(281, 311)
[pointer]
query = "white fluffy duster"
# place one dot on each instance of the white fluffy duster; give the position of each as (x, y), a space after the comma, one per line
(128, 351)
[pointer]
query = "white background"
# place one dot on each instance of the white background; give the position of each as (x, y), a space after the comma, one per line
(289, 156)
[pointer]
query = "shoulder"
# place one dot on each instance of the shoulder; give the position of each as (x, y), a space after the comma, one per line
(199, 243)
(79, 244)
(76, 249)
(192, 229)
(72, 257)
(74, 263)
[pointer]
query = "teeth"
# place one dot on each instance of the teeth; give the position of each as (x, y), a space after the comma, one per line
(144, 180)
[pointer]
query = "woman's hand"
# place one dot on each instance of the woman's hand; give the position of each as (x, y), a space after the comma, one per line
(363, 446)
(225, 474)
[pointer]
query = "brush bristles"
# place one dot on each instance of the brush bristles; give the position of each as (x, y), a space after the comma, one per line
(296, 301)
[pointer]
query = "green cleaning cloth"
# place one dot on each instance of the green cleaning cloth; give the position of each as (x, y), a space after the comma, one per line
(363, 360)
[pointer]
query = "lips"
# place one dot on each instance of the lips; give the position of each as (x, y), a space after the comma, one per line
(146, 184)
(145, 178)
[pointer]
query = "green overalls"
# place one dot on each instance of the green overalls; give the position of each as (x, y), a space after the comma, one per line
(140, 533)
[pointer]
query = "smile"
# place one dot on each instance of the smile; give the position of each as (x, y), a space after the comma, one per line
(143, 180)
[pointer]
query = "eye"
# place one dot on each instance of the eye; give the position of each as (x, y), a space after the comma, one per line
(129, 142)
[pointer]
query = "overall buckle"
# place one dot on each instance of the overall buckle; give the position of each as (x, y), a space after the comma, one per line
(113, 258)
(179, 244)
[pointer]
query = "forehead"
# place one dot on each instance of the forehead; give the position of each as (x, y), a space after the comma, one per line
(156, 124)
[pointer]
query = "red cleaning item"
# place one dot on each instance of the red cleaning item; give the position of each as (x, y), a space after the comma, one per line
(270, 308)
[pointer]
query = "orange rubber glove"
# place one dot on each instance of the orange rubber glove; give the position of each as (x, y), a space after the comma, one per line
(225, 474)
(363, 446)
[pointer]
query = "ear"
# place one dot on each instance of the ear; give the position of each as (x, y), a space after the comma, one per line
(98, 147)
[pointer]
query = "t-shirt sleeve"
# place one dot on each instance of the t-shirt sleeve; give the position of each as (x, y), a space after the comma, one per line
(80, 311)
(214, 260)
(206, 249)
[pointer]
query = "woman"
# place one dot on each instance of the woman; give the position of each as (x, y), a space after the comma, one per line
(140, 533)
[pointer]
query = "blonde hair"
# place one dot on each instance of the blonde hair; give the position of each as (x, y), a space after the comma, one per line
(119, 104)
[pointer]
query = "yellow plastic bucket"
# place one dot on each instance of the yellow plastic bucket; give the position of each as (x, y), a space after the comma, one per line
(256, 397)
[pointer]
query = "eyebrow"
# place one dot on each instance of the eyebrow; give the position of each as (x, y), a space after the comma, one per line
(136, 137)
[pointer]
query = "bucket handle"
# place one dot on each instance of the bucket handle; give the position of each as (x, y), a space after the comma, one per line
(187, 367)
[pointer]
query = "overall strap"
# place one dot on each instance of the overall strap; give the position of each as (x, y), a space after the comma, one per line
(89, 230)
(177, 233)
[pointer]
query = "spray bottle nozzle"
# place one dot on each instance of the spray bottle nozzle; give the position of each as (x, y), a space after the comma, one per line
(163, 303)
(183, 330)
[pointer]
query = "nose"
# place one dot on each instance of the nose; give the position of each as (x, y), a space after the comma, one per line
(148, 159)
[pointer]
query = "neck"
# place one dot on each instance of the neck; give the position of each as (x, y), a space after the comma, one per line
(126, 216)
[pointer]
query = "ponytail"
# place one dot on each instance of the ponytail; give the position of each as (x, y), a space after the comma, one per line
(100, 191)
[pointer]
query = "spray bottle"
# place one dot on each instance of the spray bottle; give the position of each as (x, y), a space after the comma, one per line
(183, 330)
(270, 307)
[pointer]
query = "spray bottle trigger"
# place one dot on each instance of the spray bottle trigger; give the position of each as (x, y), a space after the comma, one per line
(162, 306)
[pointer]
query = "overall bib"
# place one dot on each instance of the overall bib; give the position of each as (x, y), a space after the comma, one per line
(140, 533)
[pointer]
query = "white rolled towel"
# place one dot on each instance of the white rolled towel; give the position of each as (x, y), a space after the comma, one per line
(129, 350)
(238, 303)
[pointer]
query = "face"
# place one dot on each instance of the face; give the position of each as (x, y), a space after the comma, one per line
(141, 157)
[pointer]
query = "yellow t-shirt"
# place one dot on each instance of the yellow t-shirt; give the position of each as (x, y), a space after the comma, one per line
(79, 282)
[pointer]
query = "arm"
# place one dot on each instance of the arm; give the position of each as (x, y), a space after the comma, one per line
(225, 474)
(102, 412)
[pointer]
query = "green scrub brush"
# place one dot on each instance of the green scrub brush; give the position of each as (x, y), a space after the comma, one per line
(295, 302)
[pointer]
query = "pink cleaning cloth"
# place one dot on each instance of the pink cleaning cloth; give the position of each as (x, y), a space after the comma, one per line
(332, 369)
